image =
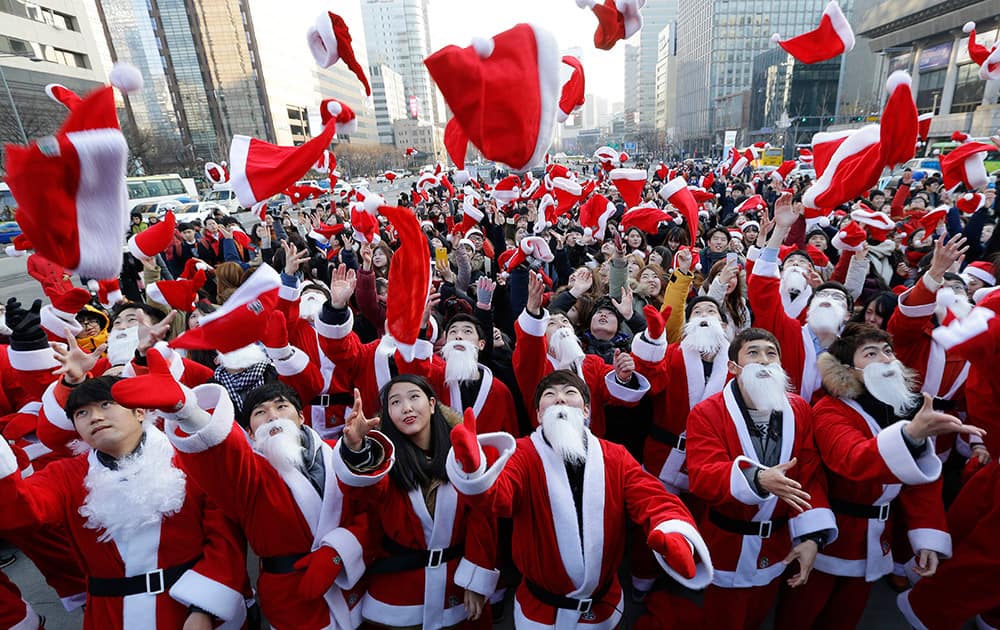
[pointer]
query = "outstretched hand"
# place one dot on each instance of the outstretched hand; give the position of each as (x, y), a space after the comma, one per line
(465, 443)
(74, 361)
(356, 425)
(676, 551)
(928, 423)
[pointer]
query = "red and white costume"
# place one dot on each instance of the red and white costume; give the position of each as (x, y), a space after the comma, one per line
(281, 514)
(532, 362)
(493, 406)
(529, 484)
(432, 596)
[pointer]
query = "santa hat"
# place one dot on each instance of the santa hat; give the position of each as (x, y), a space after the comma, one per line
(701, 195)
(242, 358)
(513, 127)
(410, 151)
(471, 216)
(877, 224)
(572, 96)
(594, 215)
(534, 247)
(324, 233)
(616, 20)
(695, 257)
(607, 157)
(899, 127)
(192, 266)
(848, 163)
(19, 246)
(456, 143)
(390, 176)
(850, 238)
(981, 270)
(754, 203)
(179, 294)
(645, 219)
(261, 170)
(932, 218)
(970, 202)
(341, 113)
(676, 193)
(780, 174)
(662, 172)
(108, 291)
(60, 315)
(964, 165)
(707, 181)
(816, 217)
(805, 156)
(547, 213)
(630, 183)
(924, 126)
(240, 319)
(365, 226)
(988, 60)
(507, 190)
(740, 161)
(749, 224)
(330, 40)
(216, 173)
(154, 239)
(832, 37)
(327, 162)
(70, 187)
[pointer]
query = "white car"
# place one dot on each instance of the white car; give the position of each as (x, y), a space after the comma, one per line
(224, 195)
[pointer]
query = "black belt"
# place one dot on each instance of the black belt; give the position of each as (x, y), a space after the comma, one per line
(860, 510)
(764, 529)
(406, 559)
(328, 400)
(677, 442)
(582, 606)
(943, 404)
(281, 564)
(152, 583)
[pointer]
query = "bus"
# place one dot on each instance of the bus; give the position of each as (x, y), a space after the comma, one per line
(152, 188)
(991, 162)
(8, 209)
(772, 156)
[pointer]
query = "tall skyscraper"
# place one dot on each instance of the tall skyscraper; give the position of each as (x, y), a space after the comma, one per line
(655, 16)
(390, 100)
(632, 58)
(665, 79)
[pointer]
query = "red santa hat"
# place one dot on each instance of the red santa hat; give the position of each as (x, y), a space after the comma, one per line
(154, 239)
(981, 270)
(70, 187)
(932, 218)
(707, 181)
(341, 113)
(616, 20)
(645, 219)
(572, 96)
(216, 173)
(471, 216)
(192, 266)
(365, 226)
(240, 319)
(179, 294)
(847, 163)
(390, 176)
(899, 127)
(695, 257)
(805, 155)
(676, 193)
(507, 190)
(513, 127)
(924, 126)
(594, 215)
(534, 247)
(970, 202)
(740, 161)
(988, 59)
(410, 151)
(701, 195)
(607, 157)
(108, 291)
(832, 37)
(547, 213)
(781, 173)
(325, 232)
(850, 238)
(327, 162)
(877, 224)
(816, 217)
(753, 203)
(662, 171)
(456, 143)
(330, 41)
(19, 246)
(630, 183)
(964, 165)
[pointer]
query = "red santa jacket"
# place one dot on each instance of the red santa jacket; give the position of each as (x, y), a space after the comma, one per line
(15, 613)
(798, 354)
(429, 597)
(528, 483)
(190, 373)
(494, 404)
(198, 532)
(869, 465)
(532, 362)
(282, 514)
(24, 375)
(719, 449)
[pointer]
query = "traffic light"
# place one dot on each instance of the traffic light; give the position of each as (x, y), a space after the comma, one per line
(830, 120)
(804, 119)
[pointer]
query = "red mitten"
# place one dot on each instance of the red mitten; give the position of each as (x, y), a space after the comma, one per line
(276, 333)
(48, 273)
(675, 549)
(463, 440)
(656, 322)
(155, 390)
(69, 301)
(321, 569)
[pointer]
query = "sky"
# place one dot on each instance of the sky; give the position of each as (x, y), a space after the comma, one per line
(458, 21)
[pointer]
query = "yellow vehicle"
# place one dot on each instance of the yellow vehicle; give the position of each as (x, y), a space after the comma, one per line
(772, 157)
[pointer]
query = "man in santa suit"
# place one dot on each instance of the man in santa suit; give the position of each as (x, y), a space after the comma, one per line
(569, 494)
(873, 453)
(278, 485)
(966, 585)
(830, 307)
(751, 459)
(156, 551)
(547, 342)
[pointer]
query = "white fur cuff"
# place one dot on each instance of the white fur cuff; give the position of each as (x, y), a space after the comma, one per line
(534, 326)
(623, 392)
(930, 539)
(215, 400)
(351, 555)
(739, 485)
(335, 331)
(8, 462)
(814, 521)
(649, 351)
(475, 578)
(483, 479)
(194, 589)
(703, 560)
(924, 469)
(295, 364)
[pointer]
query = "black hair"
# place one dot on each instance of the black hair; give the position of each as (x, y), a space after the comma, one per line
(747, 335)
(708, 235)
(798, 252)
(884, 302)
(854, 336)
(830, 284)
(949, 276)
(414, 468)
(155, 314)
(272, 390)
(92, 390)
(562, 377)
(699, 300)
(465, 317)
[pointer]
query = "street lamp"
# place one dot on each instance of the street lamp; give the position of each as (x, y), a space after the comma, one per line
(10, 97)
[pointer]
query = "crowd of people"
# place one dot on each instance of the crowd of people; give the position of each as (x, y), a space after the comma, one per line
(772, 417)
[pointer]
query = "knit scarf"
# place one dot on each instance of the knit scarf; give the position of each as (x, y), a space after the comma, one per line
(881, 259)
(239, 384)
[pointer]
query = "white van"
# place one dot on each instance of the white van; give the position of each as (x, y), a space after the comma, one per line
(225, 196)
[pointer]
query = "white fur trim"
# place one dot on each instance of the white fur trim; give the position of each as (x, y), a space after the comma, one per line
(903, 603)
(482, 479)
(857, 141)
(840, 24)
(350, 478)
(969, 27)
(623, 392)
(891, 446)
(739, 485)
(630, 174)
(239, 150)
(73, 602)
(965, 329)
(534, 326)
(335, 331)
(704, 570)
(125, 77)
(914, 310)
(766, 269)
(322, 41)
(195, 589)
(649, 351)
(57, 322)
(289, 294)
(549, 62)
(8, 462)
(670, 188)
(931, 539)
(812, 521)
(31, 619)
(210, 397)
(630, 12)
(32, 360)
(775, 38)
(54, 412)
(897, 79)
(351, 555)
(293, 365)
(475, 578)
(985, 276)
(483, 46)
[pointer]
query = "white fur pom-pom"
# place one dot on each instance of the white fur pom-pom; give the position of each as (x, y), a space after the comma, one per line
(483, 46)
(896, 79)
(126, 77)
(967, 196)
(334, 108)
(969, 27)
(373, 202)
(775, 38)
(823, 221)
(12, 251)
(93, 285)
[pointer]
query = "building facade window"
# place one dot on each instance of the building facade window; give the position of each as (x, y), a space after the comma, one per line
(969, 89)
(930, 87)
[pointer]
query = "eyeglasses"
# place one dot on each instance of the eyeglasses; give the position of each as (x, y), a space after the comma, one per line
(832, 294)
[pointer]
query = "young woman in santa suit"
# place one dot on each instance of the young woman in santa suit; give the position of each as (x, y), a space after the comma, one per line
(436, 566)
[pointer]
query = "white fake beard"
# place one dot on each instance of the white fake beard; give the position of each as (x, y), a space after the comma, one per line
(122, 345)
(826, 316)
(461, 362)
(310, 304)
(888, 383)
(242, 358)
(283, 449)
(563, 428)
(705, 335)
(947, 300)
(565, 349)
(766, 386)
(793, 279)
(145, 488)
